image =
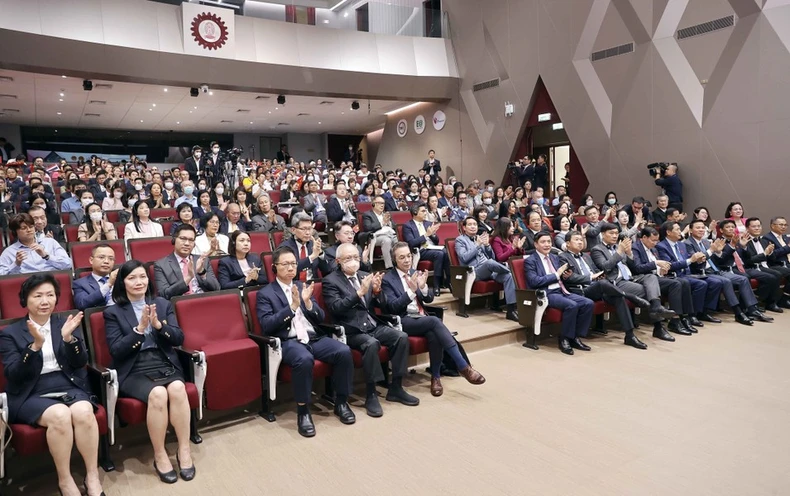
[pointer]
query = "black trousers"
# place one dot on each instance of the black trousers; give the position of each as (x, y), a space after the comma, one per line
(433, 329)
(767, 284)
(677, 291)
(782, 271)
(611, 294)
(441, 265)
(301, 358)
(370, 343)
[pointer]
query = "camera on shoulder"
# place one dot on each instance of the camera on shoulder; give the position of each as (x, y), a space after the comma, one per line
(657, 167)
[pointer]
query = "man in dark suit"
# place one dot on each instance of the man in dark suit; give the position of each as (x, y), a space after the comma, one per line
(288, 310)
(340, 205)
(760, 252)
(180, 273)
(344, 233)
(593, 234)
(432, 166)
(378, 224)
(586, 279)
(283, 155)
(781, 254)
(541, 179)
(95, 290)
(197, 164)
(352, 297)
(395, 202)
(705, 292)
(526, 172)
(406, 292)
(659, 215)
(307, 249)
(234, 219)
(421, 235)
(697, 242)
(637, 204)
(544, 270)
(672, 185)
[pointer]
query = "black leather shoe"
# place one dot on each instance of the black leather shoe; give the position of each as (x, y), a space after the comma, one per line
(637, 301)
(167, 477)
(759, 316)
(372, 406)
(709, 318)
(773, 307)
(512, 315)
(400, 395)
(577, 344)
(632, 340)
(343, 411)
(437, 291)
(677, 327)
(689, 326)
(305, 424)
(742, 318)
(693, 321)
(565, 346)
(784, 303)
(662, 334)
(659, 312)
(186, 473)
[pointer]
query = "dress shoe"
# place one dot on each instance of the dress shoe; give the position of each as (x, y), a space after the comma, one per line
(372, 406)
(773, 307)
(399, 395)
(565, 346)
(677, 327)
(632, 340)
(344, 413)
(709, 318)
(437, 291)
(784, 303)
(637, 301)
(304, 421)
(759, 316)
(694, 321)
(186, 473)
(167, 477)
(576, 343)
(436, 387)
(512, 314)
(744, 319)
(689, 326)
(659, 312)
(662, 334)
(472, 376)
(87, 491)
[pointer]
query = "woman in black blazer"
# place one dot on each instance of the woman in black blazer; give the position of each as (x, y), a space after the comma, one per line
(240, 268)
(44, 357)
(141, 333)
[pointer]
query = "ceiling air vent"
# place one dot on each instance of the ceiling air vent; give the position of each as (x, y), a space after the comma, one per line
(225, 121)
(97, 102)
(10, 97)
(11, 110)
(92, 115)
(6, 79)
(283, 124)
(706, 27)
(243, 111)
(612, 52)
(326, 102)
(262, 97)
(102, 86)
(302, 114)
(486, 84)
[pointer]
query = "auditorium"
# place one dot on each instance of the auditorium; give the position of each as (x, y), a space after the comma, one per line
(424, 247)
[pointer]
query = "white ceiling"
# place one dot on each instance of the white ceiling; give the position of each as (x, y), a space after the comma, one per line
(132, 106)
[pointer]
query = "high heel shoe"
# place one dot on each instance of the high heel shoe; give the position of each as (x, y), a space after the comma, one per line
(85, 483)
(186, 473)
(168, 478)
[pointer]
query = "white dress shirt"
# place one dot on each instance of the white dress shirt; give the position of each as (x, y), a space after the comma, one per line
(298, 317)
(549, 269)
(413, 309)
(47, 351)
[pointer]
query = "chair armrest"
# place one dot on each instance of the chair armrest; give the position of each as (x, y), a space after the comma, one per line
(105, 381)
(337, 332)
(462, 278)
(263, 340)
(3, 431)
(197, 366)
(433, 311)
(531, 305)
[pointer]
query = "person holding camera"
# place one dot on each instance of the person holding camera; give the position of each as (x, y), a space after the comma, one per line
(667, 178)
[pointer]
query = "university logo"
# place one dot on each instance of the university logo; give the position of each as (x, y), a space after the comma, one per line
(209, 31)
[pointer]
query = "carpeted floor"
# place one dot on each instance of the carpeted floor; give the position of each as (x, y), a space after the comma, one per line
(706, 415)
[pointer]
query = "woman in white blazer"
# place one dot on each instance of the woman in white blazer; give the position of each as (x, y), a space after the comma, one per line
(141, 225)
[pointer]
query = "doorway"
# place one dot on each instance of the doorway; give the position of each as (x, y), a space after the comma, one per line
(363, 20)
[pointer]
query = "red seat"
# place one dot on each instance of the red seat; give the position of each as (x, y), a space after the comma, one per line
(277, 239)
(113, 215)
(71, 232)
(266, 260)
(231, 356)
(81, 252)
(400, 217)
(364, 206)
(9, 294)
(275, 196)
(260, 242)
(459, 277)
(581, 219)
(64, 218)
(214, 261)
(150, 249)
(163, 213)
(166, 225)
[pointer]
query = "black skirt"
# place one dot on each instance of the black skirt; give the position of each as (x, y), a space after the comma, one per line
(151, 369)
(54, 382)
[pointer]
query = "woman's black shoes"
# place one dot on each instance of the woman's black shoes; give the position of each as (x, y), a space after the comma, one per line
(186, 473)
(169, 477)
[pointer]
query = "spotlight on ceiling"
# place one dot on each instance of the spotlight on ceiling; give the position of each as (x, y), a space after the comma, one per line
(194, 92)
(281, 99)
(87, 85)
(355, 105)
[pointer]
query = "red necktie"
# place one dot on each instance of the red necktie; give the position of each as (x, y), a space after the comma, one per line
(185, 272)
(303, 252)
(738, 261)
(554, 271)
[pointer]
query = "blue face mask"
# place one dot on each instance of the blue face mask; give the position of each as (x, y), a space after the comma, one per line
(611, 201)
(541, 200)
(188, 190)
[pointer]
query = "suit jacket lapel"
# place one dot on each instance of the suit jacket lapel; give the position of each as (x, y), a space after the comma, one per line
(175, 267)
(129, 315)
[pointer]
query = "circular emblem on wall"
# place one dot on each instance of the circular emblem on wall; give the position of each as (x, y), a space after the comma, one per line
(402, 128)
(209, 31)
(419, 124)
(438, 120)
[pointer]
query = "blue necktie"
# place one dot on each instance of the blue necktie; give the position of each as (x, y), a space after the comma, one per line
(679, 257)
(710, 262)
(583, 265)
(624, 272)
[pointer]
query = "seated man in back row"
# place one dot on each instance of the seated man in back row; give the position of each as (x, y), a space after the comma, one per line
(475, 251)
(28, 254)
(180, 273)
(421, 234)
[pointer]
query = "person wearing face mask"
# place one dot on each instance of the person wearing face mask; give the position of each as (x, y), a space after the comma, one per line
(540, 201)
(113, 201)
(218, 197)
(169, 190)
(73, 202)
(77, 217)
(189, 197)
(95, 228)
(216, 158)
(587, 201)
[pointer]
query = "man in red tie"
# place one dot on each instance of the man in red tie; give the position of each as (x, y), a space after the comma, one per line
(307, 249)
(543, 271)
(406, 292)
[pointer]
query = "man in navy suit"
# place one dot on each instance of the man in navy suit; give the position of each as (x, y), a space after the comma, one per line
(421, 234)
(760, 254)
(306, 248)
(705, 292)
(432, 166)
(287, 310)
(544, 271)
(340, 205)
(95, 290)
(405, 293)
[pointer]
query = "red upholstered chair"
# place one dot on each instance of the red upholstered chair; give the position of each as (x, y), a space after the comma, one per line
(266, 260)
(275, 196)
(163, 213)
(64, 218)
(260, 242)
(120, 229)
(150, 249)
(214, 261)
(581, 219)
(166, 225)
(28, 440)
(400, 217)
(277, 239)
(213, 324)
(271, 351)
(463, 283)
(113, 216)
(364, 206)
(129, 410)
(71, 232)
(80, 253)
(9, 294)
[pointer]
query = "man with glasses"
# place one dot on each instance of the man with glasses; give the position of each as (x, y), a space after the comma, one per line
(352, 297)
(180, 273)
(460, 210)
(95, 290)
(307, 249)
(378, 224)
(29, 253)
(314, 203)
(288, 310)
(344, 233)
(420, 234)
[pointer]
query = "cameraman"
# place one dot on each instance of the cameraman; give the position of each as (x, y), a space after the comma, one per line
(672, 185)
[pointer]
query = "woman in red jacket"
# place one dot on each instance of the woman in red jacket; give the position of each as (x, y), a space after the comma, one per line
(504, 243)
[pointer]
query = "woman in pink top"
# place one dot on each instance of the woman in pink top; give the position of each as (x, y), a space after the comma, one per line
(734, 212)
(503, 241)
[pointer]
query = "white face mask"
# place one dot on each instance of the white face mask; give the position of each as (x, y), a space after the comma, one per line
(118, 194)
(86, 201)
(351, 265)
(215, 150)
(197, 155)
(487, 201)
(96, 216)
(201, 187)
(138, 187)
(219, 191)
(168, 185)
(132, 202)
(589, 203)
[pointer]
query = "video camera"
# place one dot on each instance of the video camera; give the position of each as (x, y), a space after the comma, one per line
(234, 154)
(654, 168)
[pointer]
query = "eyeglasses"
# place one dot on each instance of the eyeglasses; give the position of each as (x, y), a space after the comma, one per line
(304, 229)
(185, 240)
(287, 264)
(102, 258)
(352, 258)
(213, 222)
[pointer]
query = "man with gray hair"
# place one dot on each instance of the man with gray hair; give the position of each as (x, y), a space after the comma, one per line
(188, 187)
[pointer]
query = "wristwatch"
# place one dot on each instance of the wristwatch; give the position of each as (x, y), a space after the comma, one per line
(46, 257)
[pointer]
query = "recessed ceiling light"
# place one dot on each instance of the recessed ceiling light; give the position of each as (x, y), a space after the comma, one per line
(276, 108)
(64, 77)
(319, 122)
(190, 111)
(210, 93)
(165, 90)
(250, 122)
(60, 99)
(153, 104)
(178, 122)
(270, 111)
(345, 15)
(141, 120)
(150, 110)
(342, 112)
(62, 94)
(59, 113)
(195, 107)
(326, 21)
